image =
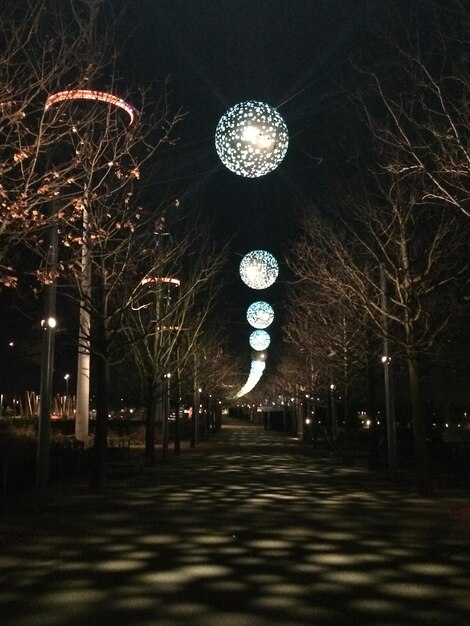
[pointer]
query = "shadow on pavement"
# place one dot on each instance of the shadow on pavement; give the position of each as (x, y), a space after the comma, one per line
(250, 529)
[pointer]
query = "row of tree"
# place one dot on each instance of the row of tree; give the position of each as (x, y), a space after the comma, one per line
(78, 214)
(384, 261)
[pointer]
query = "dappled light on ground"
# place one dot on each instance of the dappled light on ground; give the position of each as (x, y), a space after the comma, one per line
(251, 531)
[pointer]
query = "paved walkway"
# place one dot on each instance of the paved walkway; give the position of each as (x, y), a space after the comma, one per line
(251, 529)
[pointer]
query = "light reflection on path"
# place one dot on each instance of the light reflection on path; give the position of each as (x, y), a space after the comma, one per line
(250, 530)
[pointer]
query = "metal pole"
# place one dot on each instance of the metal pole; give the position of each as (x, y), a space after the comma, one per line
(388, 379)
(166, 417)
(47, 372)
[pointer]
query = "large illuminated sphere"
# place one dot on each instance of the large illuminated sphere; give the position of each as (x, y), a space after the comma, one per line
(260, 314)
(259, 269)
(260, 340)
(251, 139)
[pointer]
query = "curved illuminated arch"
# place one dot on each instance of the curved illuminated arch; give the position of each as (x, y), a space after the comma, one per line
(152, 280)
(161, 279)
(90, 94)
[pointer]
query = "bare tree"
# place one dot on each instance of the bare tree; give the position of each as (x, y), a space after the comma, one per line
(167, 318)
(330, 338)
(419, 108)
(423, 255)
(74, 148)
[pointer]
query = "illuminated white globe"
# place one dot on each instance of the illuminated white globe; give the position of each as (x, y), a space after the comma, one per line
(260, 314)
(260, 340)
(251, 139)
(259, 269)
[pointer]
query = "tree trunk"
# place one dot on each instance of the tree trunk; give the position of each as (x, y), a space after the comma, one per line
(98, 474)
(150, 422)
(372, 415)
(423, 477)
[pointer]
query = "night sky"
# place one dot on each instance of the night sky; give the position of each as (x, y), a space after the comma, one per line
(291, 54)
(287, 53)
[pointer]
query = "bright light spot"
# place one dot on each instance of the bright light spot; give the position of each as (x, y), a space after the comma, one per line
(260, 340)
(259, 269)
(251, 139)
(256, 371)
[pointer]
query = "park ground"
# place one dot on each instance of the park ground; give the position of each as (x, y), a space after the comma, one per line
(253, 528)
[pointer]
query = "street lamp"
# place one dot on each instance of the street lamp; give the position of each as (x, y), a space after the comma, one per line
(166, 416)
(66, 378)
(84, 355)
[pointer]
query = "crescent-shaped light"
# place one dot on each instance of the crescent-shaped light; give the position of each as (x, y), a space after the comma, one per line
(91, 94)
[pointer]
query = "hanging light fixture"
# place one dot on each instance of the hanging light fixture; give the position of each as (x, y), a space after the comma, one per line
(251, 139)
(260, 314)
(259, 340)
(259, 269)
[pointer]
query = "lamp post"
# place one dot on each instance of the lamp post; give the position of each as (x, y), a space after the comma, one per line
(84, 356)
(334, 416)
(166, 416)
(66, 378)
(388, 380)
(49, 324)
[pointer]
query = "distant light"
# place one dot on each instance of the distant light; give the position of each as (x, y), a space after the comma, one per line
(90, 94)
(161, 279)
(260, 314)
(259, 340)
(51, 322)
(259, 269)
(251, 139)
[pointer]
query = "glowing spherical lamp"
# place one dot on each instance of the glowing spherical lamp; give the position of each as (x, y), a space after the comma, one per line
(260, 340)
(259, 269)
(251, 139)
(260, 314)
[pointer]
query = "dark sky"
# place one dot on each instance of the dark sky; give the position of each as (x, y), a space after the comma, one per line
(217, 53)
(291, 54)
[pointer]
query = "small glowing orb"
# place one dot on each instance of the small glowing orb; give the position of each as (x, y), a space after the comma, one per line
(260, 314)
(251, 139)
(259, 340)
(259, 269)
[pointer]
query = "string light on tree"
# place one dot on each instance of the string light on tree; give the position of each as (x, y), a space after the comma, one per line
(251, 139)
(260, 314)
(259, 269)
(259, 340)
